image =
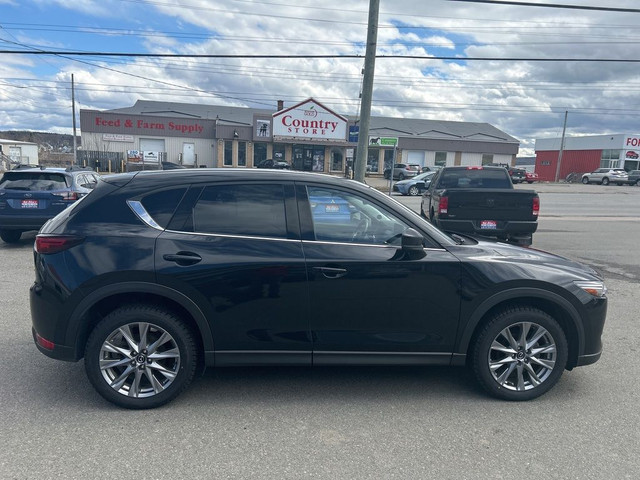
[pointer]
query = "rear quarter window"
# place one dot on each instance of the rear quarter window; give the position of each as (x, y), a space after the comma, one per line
(162, 204)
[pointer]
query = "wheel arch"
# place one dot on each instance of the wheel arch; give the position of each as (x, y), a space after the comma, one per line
(551, 303)
(104, 300)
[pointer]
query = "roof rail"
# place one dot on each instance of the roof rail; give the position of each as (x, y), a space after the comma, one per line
(75, 168)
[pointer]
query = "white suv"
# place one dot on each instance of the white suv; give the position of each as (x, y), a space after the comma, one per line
(604, 176)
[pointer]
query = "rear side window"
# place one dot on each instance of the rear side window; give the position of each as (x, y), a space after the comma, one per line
(254, 210)
(161, 205)
(34, 181)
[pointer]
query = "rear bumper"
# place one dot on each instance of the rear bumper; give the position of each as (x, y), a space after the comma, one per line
(503, 228)
(9, 222)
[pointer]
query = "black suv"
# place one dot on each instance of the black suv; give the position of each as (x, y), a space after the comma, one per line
(31, 196)
(154, 274)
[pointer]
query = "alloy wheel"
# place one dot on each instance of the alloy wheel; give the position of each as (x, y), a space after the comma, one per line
(522, 356)
(139, 360)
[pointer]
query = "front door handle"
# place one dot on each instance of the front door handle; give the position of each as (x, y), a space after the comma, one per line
(331, 272)
(183, 259)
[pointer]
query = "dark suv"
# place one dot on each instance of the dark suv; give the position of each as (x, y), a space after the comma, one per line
(155, 274)
(31, 196)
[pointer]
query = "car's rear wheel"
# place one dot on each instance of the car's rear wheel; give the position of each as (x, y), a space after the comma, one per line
(10, 236)
(585, 180)
(401, 176)
(605, 181)
(140, 356)
(519, 354)
(413, 190)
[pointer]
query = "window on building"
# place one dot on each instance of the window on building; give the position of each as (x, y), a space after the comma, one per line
(441, 159)
(336, 161)
(388, 158)
(259, 152)
(487, 158)
(318, 159)
(278, 152)
(228, 153)
(610, 159)
(372, 160)
(242, 154)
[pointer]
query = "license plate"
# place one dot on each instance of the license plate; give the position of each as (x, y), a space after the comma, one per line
(29, 204)
(488, 225)
(332, 208)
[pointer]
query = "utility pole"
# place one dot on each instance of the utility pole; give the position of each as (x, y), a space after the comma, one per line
(564, 129)
(367, 92)
(73, 111)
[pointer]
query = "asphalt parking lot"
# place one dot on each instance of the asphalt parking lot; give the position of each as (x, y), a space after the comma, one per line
(352, 423)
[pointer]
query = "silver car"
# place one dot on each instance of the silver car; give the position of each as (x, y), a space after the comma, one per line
(605, 176)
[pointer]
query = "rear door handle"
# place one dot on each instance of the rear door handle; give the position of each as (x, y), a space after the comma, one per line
(331, 272)
(183, 259)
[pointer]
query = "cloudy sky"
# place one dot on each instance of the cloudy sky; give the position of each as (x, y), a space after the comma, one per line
(525, 98)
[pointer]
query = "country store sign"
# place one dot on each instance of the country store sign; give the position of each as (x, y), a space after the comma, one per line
(309, 120)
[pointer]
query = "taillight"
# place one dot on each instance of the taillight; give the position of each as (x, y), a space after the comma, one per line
(70, 196)
(536, 206)
(474, 167)
(56, 243)
(44, 343)
(443, 206)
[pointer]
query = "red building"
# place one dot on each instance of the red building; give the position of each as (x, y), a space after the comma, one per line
(585, 154)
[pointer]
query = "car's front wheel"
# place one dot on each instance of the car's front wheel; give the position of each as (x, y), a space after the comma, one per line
(140, 356)
(10, 236)
(519, 354)
(413, 190)
(605, 181)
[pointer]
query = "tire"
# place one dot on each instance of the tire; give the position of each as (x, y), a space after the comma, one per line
(413, 191)
(605, 181)
(137, 377)
(585, 180)
(637, 184)
(401, 176)
(10, 236)
(521, 371)
(529, 182)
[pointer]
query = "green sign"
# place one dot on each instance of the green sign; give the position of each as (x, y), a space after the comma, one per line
(383, 141)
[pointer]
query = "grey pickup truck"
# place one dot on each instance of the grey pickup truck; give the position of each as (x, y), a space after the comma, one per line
(481, 201)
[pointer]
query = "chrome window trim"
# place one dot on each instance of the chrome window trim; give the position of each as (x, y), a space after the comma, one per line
(137, 208)
(229, 235)
(326, 242)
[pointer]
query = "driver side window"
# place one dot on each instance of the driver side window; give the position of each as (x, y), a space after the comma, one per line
(347, 218)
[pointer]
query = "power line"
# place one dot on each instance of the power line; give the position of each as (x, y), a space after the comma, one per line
(553, 5)
(334, 56)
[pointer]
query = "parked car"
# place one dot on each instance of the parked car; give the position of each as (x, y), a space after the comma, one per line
(171, 166)
(414, 186)
(481, 201)
(156, 274)
(518, 175)
(605, 176)
(531, 177)
(271, 163)
(31, 196)
(633, 178)
(402, 171)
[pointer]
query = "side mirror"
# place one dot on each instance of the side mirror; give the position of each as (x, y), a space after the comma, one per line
(412, 244)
